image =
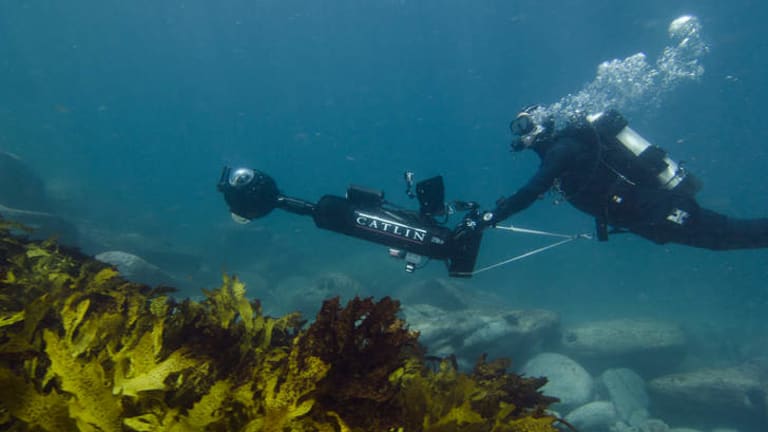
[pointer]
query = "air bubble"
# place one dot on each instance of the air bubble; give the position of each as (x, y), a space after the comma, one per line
(633, 84)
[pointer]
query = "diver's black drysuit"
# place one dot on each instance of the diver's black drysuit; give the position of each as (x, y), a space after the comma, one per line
(574, 161)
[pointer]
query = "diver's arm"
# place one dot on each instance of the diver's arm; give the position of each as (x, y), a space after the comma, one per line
(551, 167)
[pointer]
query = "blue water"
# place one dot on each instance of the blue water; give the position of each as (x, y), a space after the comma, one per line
(130, 109)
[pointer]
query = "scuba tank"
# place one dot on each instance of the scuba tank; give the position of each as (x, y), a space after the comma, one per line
(636, 160)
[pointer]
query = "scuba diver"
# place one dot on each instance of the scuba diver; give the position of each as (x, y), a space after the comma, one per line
(605, 169)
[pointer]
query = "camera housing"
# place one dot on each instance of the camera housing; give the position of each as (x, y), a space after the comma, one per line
(363, 213)
(251, 200)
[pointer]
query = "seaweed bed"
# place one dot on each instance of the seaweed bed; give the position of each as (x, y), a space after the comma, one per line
(81, 348)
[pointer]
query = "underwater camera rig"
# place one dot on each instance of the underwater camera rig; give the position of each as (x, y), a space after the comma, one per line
(414, 236)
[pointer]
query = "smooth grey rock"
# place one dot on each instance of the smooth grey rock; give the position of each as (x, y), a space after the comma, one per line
(567, 380)
(730, 396)
(594, 416)
(189, 267)
(306, 295)
(654, 425)
(647, 425)
(135, 268)
(622, 427)
(471, 332)
(638, 418)
(626, 389)
(43, 225)
(645, 345)
(443, 293)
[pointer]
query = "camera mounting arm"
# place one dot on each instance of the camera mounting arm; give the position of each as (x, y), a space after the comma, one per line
(295, 205)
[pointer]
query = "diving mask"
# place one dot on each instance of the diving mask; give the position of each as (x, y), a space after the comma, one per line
(525, 131)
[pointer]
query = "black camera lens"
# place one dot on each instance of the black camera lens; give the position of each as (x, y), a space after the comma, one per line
(241, 177)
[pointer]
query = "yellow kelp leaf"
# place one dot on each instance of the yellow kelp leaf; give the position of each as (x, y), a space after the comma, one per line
(209, 408)
(152, 422)
(153, 377)
(159, 306)
(36, 252)
(45, 411)
(255, 425)
(245, 396)
(439, 400)
(10, 318)
(242, 304)
(10, 277)
(157, 336)
(104, 275)
(25, 339)
(229, 301)
(342, 426)
(92, 405)
(287, 393)
(71, 316)
(505, 410)
(134, 309)
(58, 280)
(529, 424)
(460, 416)
(267, 327)
(140, 356)
(85, 332)
(144, 423)
(97, 331)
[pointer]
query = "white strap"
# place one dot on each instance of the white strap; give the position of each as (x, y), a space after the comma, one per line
(525, 255)
(542, 233)
(566, 239)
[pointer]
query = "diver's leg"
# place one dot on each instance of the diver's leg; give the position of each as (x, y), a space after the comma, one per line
(703, 228)
(669, 217)
(723, 232)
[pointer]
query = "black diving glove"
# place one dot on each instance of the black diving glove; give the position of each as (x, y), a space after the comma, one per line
(479, 220)
(487, 220)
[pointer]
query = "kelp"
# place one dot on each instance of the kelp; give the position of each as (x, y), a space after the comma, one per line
(82, 348)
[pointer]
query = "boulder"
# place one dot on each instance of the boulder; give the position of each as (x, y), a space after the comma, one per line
(136, 269)
(471, 332)
(640, 418)
(647, 425)
(191, 265)
(306, 295)
(443, 293)
(626, 389)
(653, 425)
(728, 396)
(567, 380)
(43, 225)
(648, 346)
(596, 416)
